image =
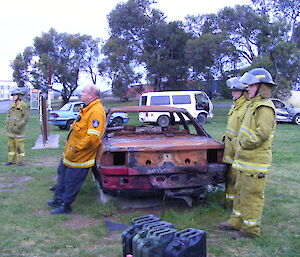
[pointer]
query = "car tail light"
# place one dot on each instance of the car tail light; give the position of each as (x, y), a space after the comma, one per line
(55, 115)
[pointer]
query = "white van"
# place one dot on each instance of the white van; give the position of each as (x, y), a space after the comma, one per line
(197, 103)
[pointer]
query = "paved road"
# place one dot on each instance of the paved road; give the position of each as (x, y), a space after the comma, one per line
(4, 106)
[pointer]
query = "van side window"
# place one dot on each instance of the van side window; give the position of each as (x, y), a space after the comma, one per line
(181, 99)
(144, 100)
(160, 100)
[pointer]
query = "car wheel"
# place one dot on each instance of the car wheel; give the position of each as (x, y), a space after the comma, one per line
(69, 123)
(163, 121)
(116, 122)
(296, 119)
(201, 118)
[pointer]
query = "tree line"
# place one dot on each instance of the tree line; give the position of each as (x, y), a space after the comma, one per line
(173, 55)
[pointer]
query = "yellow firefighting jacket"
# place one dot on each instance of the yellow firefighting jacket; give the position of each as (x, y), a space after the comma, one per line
(235, 118)
(84, 136)
(253, 153)
(16, 120)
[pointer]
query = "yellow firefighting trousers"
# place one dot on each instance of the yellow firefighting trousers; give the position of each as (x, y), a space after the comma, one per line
(248, 203)
(16, 150)
(230, 182)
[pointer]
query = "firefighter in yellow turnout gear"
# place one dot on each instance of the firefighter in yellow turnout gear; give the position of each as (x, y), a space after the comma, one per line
(235, 117)
(253, 156)
(16, 120)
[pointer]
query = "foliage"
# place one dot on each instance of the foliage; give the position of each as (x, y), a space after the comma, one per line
(57, 58)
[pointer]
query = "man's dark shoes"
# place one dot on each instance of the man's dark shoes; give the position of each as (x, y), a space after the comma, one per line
(240, 234)
(63, 209)
(55, 203)
(226, 226)
(9, 163)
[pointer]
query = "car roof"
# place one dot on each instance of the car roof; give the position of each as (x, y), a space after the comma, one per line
(173, 92)
(156, 108)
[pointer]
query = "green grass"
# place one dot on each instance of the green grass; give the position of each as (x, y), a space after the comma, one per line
(27, 228)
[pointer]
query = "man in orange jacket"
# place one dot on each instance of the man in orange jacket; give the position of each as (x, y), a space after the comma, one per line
(83, 141)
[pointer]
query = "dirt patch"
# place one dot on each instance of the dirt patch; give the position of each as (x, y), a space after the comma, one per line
(49, 161)
(79, 221)
(112, 239)
(13, 183)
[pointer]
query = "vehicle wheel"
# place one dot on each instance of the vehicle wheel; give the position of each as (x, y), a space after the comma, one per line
(296, 119)
(163, 121)
(116, 122)
(201, 118)
(62, 127)
(69, 123)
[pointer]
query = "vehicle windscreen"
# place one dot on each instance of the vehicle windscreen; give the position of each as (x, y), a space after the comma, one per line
(181, 99)
(160, 100)
(202, 102)
(66, 107)
(143, 100)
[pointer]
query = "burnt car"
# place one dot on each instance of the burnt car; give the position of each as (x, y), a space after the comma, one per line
(179, 158)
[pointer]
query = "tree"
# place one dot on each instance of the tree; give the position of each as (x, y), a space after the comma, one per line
(153, 43)
(287, 9)
(59, 57)
(211, 56)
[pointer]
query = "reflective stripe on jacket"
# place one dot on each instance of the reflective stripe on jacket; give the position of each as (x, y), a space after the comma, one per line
(16, 120)
(85, 136)
(253, 153)
(235, 118)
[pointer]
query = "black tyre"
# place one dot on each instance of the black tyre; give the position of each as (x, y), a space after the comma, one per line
(296, 119)
(116, 122)
(69, 123)
(201, 118)
(163, 121)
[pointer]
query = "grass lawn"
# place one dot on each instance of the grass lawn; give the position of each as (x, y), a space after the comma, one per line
(27, 228)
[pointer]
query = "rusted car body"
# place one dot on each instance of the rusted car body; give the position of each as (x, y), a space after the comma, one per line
(147, 159)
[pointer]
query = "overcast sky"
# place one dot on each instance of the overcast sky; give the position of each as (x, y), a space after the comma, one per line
(22, 20)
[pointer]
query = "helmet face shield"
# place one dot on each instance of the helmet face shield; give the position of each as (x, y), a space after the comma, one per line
(249, 79)
(236, 84)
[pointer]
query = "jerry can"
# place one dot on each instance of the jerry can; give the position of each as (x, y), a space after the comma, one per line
(187, 243)
(138, 238)
(129, 233)
(157, 242)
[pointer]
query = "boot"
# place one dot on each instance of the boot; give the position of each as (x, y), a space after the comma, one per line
(63, 209)
(56, 202)
(9, 163)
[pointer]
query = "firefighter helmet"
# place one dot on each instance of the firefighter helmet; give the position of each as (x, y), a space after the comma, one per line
(257, 75)
(235, 84)
(17, 91)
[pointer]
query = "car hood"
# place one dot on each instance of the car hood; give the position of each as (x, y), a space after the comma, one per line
(150, 143)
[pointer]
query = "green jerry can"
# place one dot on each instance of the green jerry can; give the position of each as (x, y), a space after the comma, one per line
(187, 243)
(138, 238)
(156, 243)
(136, 225)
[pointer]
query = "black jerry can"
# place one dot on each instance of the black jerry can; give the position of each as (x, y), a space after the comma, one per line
(136, 225)
(187, 243)
(156, 244)
(138, 238)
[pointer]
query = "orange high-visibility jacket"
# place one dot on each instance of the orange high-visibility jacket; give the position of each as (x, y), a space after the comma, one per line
(84, 137)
